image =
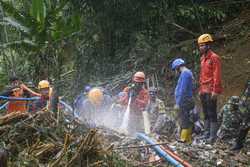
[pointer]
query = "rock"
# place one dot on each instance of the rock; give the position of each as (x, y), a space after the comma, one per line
(219, 162)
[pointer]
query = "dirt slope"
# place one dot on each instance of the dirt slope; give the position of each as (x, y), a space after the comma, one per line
(235, 54)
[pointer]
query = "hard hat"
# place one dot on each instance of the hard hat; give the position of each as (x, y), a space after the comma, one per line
(139, 77)
(95, 95)
(43, 84)
(177, 62)
(234, 100)
(87, 88)
(204, 38)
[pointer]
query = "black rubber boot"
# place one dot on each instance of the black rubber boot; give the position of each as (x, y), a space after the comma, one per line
(240, 139)
(213, 132)
(237, 146)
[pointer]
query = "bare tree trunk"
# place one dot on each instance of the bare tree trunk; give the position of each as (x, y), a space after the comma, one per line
(9, 63)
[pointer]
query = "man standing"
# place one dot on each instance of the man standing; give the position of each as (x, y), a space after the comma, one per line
(156, 108)
(139, 97)
(48, 98)
(80, 98)
(184, 98)
(210, 86)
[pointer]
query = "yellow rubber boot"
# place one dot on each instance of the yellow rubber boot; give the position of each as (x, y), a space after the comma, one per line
(189, 136)
(186, 135)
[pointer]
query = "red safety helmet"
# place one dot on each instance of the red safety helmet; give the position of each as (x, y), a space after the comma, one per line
(139, 77)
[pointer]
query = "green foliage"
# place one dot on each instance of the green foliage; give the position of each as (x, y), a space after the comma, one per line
(197, 15)
(100, 39)
(38, 12)
(40, 30)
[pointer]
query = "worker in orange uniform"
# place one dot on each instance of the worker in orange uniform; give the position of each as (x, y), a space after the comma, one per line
(139, 99)
(19, 90)
(210, 86)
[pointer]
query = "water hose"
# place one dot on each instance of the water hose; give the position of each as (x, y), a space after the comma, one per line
(176, 157)
(4, 105)
(159, 150)
(19, 98)
(29, 99)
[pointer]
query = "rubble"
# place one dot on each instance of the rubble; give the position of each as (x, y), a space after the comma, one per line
(207, 155)
(197, 154)
(39, 139)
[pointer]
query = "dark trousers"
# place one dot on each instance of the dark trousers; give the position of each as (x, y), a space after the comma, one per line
(209, 107)
(242, 136)
(185, 107)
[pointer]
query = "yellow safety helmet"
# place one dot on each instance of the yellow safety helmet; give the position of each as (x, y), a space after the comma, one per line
(95, 95)
(43, 84)
(205, 38)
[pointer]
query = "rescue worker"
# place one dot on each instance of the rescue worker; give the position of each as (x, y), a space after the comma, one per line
(139, 99)
(244, 108)
(80, 98)
(231, 119)
(161, 119)
(95, 107)
(184, 98)
(155, 107)
(210, 86)
(87, 88)
(47, 98)
(17, 89)
(118, 109)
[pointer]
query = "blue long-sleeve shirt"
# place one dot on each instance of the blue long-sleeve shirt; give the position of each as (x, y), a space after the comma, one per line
(184, 87)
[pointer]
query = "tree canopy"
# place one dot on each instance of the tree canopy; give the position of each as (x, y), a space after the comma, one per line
(75, 42)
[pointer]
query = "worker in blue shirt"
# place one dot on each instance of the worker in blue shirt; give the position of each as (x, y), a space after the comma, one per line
(184, 98)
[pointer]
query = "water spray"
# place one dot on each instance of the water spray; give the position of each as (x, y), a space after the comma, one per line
(125, 121)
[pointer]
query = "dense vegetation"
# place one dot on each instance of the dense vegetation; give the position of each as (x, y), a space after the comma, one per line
(74, 42)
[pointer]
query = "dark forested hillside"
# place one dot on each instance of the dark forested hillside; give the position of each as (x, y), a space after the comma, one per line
(95, 40)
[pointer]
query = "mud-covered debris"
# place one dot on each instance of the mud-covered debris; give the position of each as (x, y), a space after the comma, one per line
(39, 139)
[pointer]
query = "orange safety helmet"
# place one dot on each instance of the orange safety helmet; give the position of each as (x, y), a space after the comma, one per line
(139, 77)
(205, 38)
(95, 95)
